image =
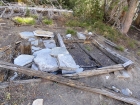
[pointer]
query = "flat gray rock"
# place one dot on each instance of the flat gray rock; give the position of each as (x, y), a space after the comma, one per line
(81, 36)
(26, 35)
(43, 33)
(59, 50)
(49, 43)
(46, 62)
(42, 52)
(23, 60)
(35, 42)
(66, 62)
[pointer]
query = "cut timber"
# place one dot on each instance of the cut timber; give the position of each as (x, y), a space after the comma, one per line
(98, 71)
(113, 55)
(60, 40)
(69, 82)
(25, 47)
(36, 8)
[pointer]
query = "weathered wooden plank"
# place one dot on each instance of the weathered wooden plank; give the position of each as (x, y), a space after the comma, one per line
(69, 82)
(36, 8)
(97, 71)
(112, 55)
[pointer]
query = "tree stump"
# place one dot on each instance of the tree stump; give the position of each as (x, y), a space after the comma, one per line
(25, 47)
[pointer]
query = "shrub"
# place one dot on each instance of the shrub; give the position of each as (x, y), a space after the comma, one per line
(24, 20)
(48, 21)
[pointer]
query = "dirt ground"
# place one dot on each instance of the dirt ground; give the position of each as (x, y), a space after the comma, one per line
(57, 94)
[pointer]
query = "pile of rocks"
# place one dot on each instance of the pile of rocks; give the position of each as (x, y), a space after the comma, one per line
(50, 58)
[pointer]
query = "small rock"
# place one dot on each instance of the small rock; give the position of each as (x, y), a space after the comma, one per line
(38, 102)
(66, 62)
(43, 33)
(49, 43)
(26, 35)
(90, 33)
(23, 60)
(34, 67)
(107, 77)
(126, 92)
(59, 50)
(68, 36)
(115, 89)
(81, 36)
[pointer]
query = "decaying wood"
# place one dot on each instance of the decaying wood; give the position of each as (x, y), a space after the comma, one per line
(69, 82)
(98, 63)
(117, 58)
(97, 71)
(25, 47)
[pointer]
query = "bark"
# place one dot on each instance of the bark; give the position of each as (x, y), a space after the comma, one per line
(129, 16)
(137, 21)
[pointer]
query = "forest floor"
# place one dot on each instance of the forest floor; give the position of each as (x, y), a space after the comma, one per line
(56, 94)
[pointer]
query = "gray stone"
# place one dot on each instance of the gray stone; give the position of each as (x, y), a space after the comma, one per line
(49, 43)
(35, 48)
(79, 70)
(126, 92)
(23, 60)
(43, 33)
(115, 89)
(34, 67)
(34, 42)
(81, 36)
(42, 52)
(46, 62)
(68, 36)
(38, 102)
(66, 62)
(31, 39)
(26, 35)
(59, 50)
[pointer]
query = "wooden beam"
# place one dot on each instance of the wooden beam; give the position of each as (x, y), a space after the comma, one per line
(36, 8)
(97, 71)
(69, 82)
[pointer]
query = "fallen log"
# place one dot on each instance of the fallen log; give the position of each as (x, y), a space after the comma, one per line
(97, 71)
(69, 82)
(36, 8)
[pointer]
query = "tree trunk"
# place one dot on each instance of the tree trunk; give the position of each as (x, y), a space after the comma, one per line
(137, 21)
(129, 16)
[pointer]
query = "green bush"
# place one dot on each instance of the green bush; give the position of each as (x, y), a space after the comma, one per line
(48, 21)
(25, 20)
(70, 31)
